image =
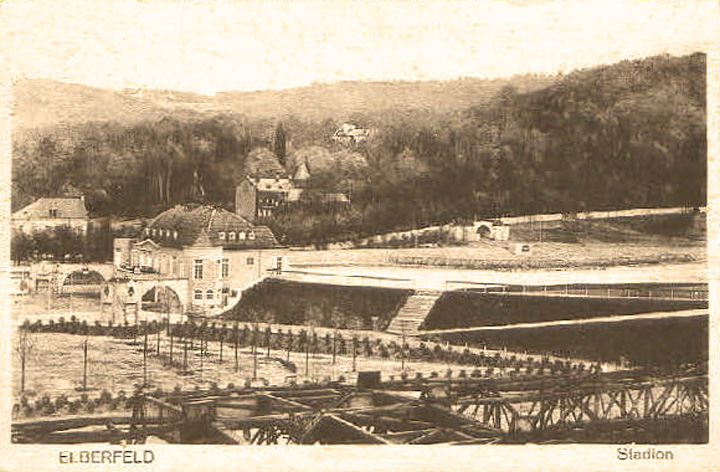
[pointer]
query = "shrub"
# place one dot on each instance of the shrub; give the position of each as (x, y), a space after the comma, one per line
(61, 401)
(75, 407)
(105, 397)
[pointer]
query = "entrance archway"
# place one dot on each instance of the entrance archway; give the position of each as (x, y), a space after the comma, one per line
(161, 299)
(483, 231)
(84, 282)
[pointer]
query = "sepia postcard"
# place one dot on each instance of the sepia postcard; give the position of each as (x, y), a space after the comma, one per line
(359, 235)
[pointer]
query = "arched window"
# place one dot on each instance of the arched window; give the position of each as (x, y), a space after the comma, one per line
(175, 234)
(198, 294)
(209, 295)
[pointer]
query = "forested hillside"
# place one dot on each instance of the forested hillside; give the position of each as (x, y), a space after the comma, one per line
(627, 135)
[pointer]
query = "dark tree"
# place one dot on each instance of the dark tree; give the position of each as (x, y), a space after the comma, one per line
(280, 144)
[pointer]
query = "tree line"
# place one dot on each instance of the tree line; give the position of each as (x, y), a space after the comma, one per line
(63, 243)
(627, 135)
(198, 334)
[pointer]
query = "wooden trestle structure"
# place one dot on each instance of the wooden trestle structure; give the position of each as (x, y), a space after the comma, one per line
(465, 411)
(588, 402)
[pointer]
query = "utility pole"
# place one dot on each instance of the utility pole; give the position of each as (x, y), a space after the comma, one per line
(354, 343)
(185, 350)
(287, 345)
(85, 361)
(202, 353)
(145, 350)
(72, 309)
(170, 333)
(222, 336)
(307, 357)
(268, 339)
(235, 341)
(254, 351)
(402, 350)
(333, 346)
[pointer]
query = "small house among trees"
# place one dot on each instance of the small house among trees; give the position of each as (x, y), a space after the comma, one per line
(51, 213)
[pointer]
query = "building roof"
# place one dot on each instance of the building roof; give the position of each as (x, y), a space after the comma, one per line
(302, 172)
(271, 184)
(348, 130)
(202, 225)
(294, 194)
(335, 198)
(65, 208)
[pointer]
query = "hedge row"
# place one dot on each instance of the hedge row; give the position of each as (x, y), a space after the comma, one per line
(332, 306)
(666, 344)
(471, 309)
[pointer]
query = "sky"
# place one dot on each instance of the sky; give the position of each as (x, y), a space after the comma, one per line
(208, 46)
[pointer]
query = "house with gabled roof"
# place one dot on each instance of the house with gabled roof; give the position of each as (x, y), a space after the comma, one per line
(260, 197)
(217, 251)
(349, 133)
(51, 213)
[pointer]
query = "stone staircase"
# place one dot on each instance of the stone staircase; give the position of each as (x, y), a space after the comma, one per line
(412, 314)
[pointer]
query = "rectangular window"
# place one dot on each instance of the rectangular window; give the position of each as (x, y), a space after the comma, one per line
(250, 261)
(225, 268)
(231, 236)
(221, 235)
(198, 269)
(53, 213)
